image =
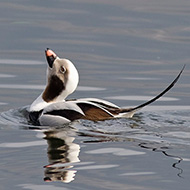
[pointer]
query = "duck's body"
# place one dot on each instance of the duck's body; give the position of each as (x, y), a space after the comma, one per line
(51, 107)
(88, 108)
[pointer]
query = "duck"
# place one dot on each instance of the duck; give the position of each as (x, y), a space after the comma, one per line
(52, 108)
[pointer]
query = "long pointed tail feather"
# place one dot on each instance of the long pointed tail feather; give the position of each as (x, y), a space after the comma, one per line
(131, 111)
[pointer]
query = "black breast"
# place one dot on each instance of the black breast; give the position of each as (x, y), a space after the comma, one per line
(33, 116)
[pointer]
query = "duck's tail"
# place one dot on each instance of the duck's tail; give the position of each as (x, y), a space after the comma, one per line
(129, 112)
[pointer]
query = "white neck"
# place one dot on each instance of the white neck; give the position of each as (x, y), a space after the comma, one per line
(72, 81)
(38, 104)
(70, 86)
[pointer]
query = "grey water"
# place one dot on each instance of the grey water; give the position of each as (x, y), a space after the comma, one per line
(126, 52)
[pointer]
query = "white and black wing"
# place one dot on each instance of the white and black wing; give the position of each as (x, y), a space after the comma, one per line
(71, 110)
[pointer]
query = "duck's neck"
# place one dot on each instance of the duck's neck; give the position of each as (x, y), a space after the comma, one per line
(55, 89)
(40, 103)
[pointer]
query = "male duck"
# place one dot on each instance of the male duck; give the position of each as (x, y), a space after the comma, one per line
(51, 107)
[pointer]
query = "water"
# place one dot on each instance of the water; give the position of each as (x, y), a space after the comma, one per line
(125, 52)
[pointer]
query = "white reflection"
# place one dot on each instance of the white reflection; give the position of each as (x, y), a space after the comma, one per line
(41, 187)
(140, 98)
(137, 173)
(3, 103)
(179, 134)
(166, 108)
(41, 87)
(95, 167)
(87, 88)
(140, 78)
(22, 144)
(20, 62)
(116, 151)
(7, 76)
(22, 86)
(186, 159)
(62, 153)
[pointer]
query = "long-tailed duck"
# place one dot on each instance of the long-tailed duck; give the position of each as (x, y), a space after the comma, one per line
(51, 107)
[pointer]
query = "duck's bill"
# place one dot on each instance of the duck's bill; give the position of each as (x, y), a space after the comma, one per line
(50, 56)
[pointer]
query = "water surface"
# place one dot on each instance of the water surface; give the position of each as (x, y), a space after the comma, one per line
(126, 52)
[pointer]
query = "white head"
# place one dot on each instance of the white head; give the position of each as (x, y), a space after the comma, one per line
(62, 80)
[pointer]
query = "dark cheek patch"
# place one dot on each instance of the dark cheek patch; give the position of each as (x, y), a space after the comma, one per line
(54, 89)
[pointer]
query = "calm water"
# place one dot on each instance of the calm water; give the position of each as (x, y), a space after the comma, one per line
(126, 52)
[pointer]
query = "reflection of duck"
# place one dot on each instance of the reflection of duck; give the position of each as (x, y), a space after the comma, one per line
(160, 148)
(51, 108)
(62, 152)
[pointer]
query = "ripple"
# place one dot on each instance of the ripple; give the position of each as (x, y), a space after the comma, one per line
(20, 62)
(150, 127)
(158, 128)
(14, 117)
(156, 131)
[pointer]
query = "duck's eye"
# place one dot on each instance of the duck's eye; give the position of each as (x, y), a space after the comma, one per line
(62, 69)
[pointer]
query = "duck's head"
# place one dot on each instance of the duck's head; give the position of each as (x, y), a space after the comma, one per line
(62, 78)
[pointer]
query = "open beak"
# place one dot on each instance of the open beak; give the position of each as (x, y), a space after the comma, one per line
(50, 56)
